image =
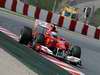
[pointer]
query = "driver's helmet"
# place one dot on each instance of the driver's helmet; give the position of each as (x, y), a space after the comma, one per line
(54, 28)
(54, 34)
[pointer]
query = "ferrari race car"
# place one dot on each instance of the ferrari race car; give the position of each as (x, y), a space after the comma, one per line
(44, 38)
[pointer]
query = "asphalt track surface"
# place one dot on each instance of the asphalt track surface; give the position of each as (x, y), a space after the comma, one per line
(6, 68)
(90, 51)
(30, 58)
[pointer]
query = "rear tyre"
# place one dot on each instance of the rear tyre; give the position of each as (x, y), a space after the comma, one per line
(26, 35)
(76, 51)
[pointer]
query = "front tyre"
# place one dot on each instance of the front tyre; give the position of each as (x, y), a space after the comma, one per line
(76, 51)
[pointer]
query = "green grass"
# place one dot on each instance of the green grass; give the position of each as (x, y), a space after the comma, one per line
(44, 4)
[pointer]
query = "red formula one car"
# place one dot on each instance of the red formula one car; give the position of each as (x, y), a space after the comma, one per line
(44, 38)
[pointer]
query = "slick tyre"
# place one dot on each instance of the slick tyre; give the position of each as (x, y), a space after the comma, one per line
(25, 35)
(76, 51)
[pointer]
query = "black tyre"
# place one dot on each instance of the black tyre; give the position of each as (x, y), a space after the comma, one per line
(76, 51)
(26, 35)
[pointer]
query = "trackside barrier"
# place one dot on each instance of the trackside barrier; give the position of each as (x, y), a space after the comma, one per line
(50, 17)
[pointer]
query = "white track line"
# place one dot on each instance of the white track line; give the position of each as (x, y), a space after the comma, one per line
(10, 34)
(63, 65)
(9, 65)
(59, 63)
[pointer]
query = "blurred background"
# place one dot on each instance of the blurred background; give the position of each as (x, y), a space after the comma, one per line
(88, 13)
